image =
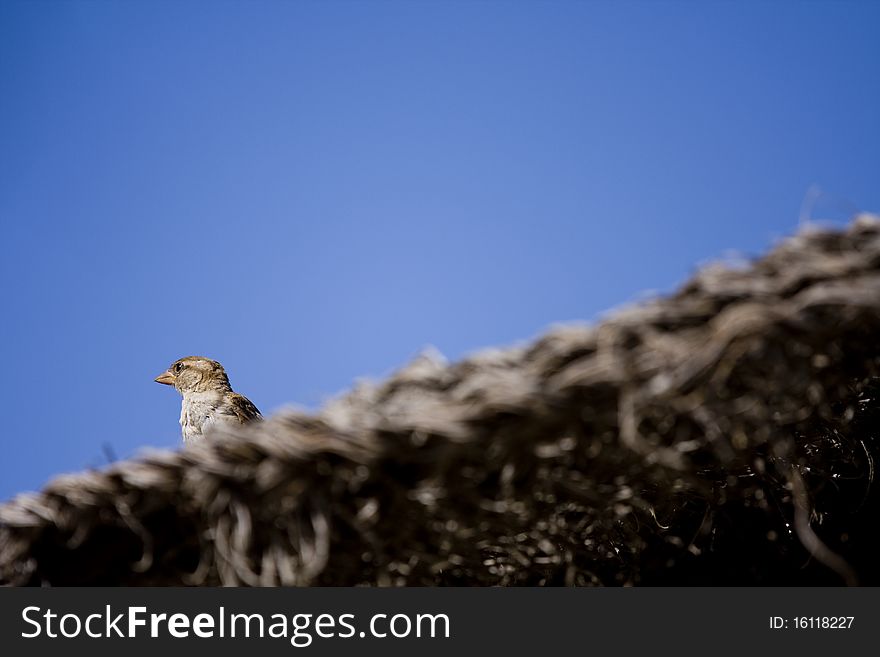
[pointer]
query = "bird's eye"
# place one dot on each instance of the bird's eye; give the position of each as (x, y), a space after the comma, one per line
(178, 367)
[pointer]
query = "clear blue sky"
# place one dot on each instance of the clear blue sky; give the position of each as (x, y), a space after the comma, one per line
(311, 192)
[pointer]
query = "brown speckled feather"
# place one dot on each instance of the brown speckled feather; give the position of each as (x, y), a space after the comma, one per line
(241, 407)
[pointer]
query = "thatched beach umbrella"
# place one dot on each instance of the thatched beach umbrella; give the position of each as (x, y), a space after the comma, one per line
(722, 435)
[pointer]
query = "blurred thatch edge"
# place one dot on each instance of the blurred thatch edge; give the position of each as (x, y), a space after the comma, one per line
(723, 434)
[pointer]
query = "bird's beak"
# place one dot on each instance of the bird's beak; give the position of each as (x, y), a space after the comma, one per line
(166, 377)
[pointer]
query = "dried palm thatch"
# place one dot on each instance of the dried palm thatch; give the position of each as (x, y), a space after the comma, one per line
(722, 435)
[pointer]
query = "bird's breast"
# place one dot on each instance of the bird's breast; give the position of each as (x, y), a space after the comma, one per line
(197, 413)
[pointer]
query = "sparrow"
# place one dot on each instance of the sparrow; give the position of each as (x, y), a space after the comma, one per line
(208, 398)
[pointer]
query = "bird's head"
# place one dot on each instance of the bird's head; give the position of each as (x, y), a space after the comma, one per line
(195, 374)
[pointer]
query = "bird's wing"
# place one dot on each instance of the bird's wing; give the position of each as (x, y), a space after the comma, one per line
(242, 408)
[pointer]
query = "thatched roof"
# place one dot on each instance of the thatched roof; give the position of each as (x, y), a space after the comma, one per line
(723, 434)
